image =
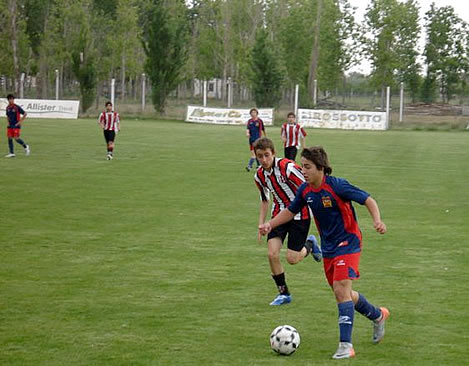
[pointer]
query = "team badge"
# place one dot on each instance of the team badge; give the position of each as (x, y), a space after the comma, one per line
(326, 201)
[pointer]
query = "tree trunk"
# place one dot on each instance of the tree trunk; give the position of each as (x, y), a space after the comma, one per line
(123, 78)
(14, 41)
(313, 69)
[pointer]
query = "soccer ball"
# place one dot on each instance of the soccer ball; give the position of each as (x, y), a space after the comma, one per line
(285, 339)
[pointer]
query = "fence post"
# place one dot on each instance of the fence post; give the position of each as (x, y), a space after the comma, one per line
(205, 93)
(56, 84)
(113, 91)
(229, 92)
(143, 92)
(315, 92)
(297, 89)
(388, 105)
(401, 104)
(22, 85)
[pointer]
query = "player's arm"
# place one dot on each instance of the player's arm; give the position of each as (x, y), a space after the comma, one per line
(101, 120)
(118, 122)
(373, 209)
(282, 218)
(263, 208)
(283, 135)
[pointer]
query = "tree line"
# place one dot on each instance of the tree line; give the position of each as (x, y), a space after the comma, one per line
(265, 46)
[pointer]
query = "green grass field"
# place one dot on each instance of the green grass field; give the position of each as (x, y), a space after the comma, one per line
(152, 258)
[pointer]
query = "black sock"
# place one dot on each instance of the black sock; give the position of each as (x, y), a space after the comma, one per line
(10, 146)
(21, 142)
(281, 284)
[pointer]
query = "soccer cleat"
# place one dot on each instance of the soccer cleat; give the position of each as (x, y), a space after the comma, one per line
(378, 326)
(248, 168)
(27, 150)
(281, 300)
(10, 155)
(314, 248)
(345, 350)
(109, 157)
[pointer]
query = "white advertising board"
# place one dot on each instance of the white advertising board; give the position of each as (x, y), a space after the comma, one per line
(43, 108)
(226, 116)
(347, 120)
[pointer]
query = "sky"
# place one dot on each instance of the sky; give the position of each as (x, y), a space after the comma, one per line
(461, 8)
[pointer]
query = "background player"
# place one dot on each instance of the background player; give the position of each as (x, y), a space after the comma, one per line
(293, 136)
(281, 178)
(330, 201)
(15, 118)
(109, 120)
(254, 130)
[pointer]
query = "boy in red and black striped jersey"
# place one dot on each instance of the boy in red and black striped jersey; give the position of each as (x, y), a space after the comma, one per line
(109, 121)
(293, 136)
(281, 178)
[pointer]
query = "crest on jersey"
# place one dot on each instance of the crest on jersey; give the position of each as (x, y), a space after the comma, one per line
(326, 201)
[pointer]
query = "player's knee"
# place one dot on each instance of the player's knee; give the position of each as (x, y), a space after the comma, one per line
(274, 255)
(293, 257)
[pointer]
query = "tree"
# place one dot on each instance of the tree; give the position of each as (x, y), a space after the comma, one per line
(267, 75)
(164, 41)
(446, 49)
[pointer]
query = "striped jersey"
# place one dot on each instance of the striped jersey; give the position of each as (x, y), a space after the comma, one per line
(110, 120)
(282, 181)
(336, 221)
(293, 133)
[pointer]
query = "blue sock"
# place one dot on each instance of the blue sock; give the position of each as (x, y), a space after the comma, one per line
(250, 162)
(21, 142)
(346, 312)
(367, 309)
(10, 146)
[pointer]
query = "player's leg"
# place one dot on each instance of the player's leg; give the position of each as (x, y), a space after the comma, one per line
(294, 151)
(297, 235)
(22, 143)
(10, 148)
(340, 271)
(274, 242)
(252, 158)
(377, 315)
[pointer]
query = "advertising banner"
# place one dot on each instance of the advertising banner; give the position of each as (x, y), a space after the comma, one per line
(347, 120)
(226, 116)
(43, 108)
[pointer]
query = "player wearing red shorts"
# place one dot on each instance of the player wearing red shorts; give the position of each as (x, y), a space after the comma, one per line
(330, 199)
(15, 116)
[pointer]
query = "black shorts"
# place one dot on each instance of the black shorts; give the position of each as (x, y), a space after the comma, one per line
(297, 231)
(290, 152)
(109, 135)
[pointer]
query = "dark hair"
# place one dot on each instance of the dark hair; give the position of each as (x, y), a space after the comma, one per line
(263, 143)
(10, 96)
(318, 156)
(253, 109)
(108, 103)
(291, 114)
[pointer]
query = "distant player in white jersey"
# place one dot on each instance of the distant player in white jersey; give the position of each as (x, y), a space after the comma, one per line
(280, 178)
(109, 121)
(293, 136)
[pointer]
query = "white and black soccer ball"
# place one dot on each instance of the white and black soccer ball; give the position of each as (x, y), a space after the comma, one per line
(285, 339)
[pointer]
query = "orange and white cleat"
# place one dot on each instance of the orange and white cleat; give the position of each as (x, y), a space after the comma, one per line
(378, 325)
(345, 350)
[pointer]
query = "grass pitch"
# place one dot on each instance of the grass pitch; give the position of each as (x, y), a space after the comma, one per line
(152, 258)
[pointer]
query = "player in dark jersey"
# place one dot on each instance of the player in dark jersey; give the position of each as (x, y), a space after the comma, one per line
(15, 116)
(281, 179)
(330, 200)
(254, 130)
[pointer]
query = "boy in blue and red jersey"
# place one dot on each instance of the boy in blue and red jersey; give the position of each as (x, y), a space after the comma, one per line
(330, 199)
(15, 116)
(254, 129)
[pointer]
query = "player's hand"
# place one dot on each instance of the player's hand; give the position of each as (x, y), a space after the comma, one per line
(380, 227)
(264, 229)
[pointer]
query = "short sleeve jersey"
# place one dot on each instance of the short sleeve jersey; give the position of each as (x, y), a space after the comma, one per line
(110, 120)
(14, 113)
(292, 133)
(282, 181)
(255, 128)
(334, 214)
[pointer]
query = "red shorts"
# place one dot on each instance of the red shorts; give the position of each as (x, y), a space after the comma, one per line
(251, 147)
(13, 133)
(343, 267)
